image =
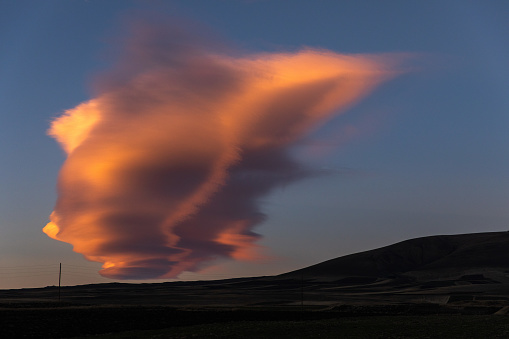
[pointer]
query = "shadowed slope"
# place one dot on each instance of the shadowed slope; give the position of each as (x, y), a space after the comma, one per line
(448, 273)
(442, 254)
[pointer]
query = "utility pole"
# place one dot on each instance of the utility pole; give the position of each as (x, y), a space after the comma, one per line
(59, 279)
(301, 296)
(302, 292)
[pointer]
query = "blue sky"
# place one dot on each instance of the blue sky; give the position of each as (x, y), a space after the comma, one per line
(433, 158)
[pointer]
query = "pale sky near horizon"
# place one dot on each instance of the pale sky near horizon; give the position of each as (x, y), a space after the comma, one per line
(426, 153)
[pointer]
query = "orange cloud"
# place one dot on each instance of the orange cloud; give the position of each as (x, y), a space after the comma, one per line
(165, 166)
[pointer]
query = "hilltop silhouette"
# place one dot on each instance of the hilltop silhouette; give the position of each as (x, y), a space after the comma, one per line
(441, 256)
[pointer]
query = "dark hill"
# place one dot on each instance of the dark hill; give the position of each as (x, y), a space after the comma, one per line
(428, 256)
(456, 273)
(432, 276)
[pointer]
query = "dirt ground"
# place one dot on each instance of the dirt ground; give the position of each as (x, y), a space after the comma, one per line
(263, 306)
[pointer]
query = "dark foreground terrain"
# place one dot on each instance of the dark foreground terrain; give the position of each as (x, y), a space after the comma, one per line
(442, 286)
(162, 322)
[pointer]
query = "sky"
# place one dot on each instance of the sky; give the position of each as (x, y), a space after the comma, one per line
(405, 137)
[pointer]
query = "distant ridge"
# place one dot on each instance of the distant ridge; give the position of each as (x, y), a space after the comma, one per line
(453, 274)
(427, 256)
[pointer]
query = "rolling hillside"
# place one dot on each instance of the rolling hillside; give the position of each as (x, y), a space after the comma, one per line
(433, 256)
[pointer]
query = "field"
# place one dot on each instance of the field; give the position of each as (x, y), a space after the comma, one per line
(356, 327)
(163, 322)
(250, 308)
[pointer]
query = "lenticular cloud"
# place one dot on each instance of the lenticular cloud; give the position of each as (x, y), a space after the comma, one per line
(166, 164)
